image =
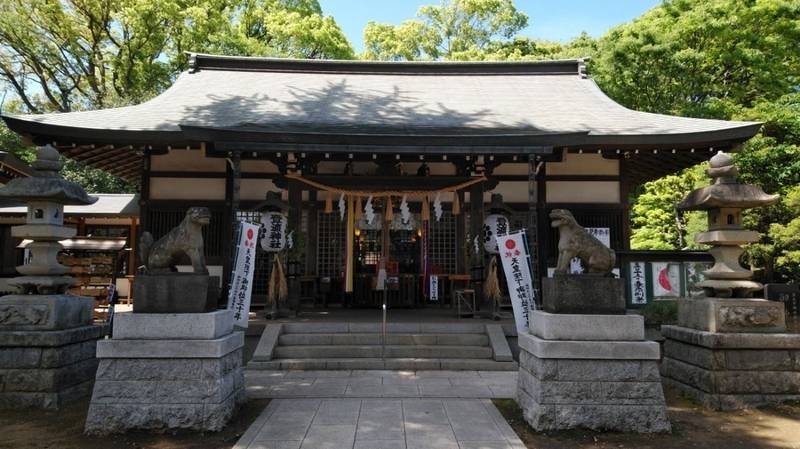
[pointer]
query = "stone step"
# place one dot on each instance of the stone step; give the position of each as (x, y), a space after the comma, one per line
(372, 363)
(391, 339)
(375, 327)
(374, 351)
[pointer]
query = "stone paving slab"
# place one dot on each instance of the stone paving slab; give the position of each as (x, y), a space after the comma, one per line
(381, 384)
(342, 423)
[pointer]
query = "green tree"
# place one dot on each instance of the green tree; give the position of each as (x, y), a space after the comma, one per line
(726, 59)
(702, 58)
(454, 29)
(71, 55)
(654, 219)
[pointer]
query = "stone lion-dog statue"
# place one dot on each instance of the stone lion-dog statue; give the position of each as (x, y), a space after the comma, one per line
(186, 238)
(575, 241)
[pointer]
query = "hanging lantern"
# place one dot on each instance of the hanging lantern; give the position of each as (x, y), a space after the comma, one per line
(495, 224)
(275, 224)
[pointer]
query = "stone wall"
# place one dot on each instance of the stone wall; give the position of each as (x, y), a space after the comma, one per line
(46, 369)
(622, 395)
(159, 394)
(731, 371)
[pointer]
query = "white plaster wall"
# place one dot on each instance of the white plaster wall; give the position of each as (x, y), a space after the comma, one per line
(583, 164)
(186, 160)
(512, 169)
(255, 189)
(582, 192)
(258, 166)
(187, 189)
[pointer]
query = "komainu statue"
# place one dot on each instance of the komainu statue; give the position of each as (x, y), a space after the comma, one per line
(574, 241)
(186, 238)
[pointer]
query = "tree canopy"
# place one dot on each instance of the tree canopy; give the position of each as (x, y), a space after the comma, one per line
(91, 54)
(454, 29)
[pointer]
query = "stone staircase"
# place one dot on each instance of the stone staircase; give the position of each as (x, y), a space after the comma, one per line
(357, 346)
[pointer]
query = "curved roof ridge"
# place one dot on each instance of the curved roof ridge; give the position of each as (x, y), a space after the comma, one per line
(204, 61)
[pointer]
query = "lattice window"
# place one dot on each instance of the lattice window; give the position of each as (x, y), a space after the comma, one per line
(443, 244)
(519, 220)
(162, 218)
(330, 244)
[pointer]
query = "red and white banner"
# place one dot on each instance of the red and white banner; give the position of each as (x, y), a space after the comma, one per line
(242, 274)
(513, 250)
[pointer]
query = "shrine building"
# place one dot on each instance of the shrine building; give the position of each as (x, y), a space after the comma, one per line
(435, 140)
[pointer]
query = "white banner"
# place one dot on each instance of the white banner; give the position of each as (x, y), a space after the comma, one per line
(242, 274)
(638, 283)
(516, 265)
(434, 287)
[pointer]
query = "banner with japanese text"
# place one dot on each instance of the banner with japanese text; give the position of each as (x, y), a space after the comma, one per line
(513, 250)
(244, 264)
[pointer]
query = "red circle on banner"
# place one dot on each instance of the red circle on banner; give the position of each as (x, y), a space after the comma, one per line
(249, 234)
(510, 244)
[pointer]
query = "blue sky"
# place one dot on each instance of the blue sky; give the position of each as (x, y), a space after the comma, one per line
(557, 20)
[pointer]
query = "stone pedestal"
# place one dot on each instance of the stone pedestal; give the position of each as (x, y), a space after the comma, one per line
(732, 315)
(168, 371)
(726, 371)
(599, 374)
(47, 348)
(174, 293)
(583, 294)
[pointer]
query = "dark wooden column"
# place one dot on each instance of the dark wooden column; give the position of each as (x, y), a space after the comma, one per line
(461, 236)
(624, 191)
(295, 213)
(233, 174)
(144, 204)
(312, 236)
(476, 229)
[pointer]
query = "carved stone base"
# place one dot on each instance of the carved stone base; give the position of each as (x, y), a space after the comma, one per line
(47, 369)
(727, 371)
(732, 315)
(44, 312)
(173, 293)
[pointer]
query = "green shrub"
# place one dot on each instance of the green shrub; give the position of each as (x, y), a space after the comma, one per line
(661, 312)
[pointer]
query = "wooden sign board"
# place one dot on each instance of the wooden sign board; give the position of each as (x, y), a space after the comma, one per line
(788, 294)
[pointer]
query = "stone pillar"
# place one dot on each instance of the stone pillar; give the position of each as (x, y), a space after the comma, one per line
(590, 371)
(168, 371)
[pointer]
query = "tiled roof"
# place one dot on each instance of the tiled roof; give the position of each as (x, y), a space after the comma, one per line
(356, 98)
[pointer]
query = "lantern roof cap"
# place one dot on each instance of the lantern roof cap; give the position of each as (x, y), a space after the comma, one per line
(46, 184)
(496, 205)
(726, 190)
(272, 203)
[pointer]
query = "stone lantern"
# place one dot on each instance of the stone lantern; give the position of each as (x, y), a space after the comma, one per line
(729, 350)
(43, 319)
(724, 201)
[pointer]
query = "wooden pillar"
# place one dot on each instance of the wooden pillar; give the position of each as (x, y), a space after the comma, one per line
(132, 255)
(537, 221)
(233, 173)
(295, 214)
(624, 192)
(144, 202)
(312, 236)
(476, 229)
(544, 220)
(461, 236)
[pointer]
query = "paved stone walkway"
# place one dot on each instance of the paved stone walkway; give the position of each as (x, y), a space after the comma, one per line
(380, 424)
(376, 384)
